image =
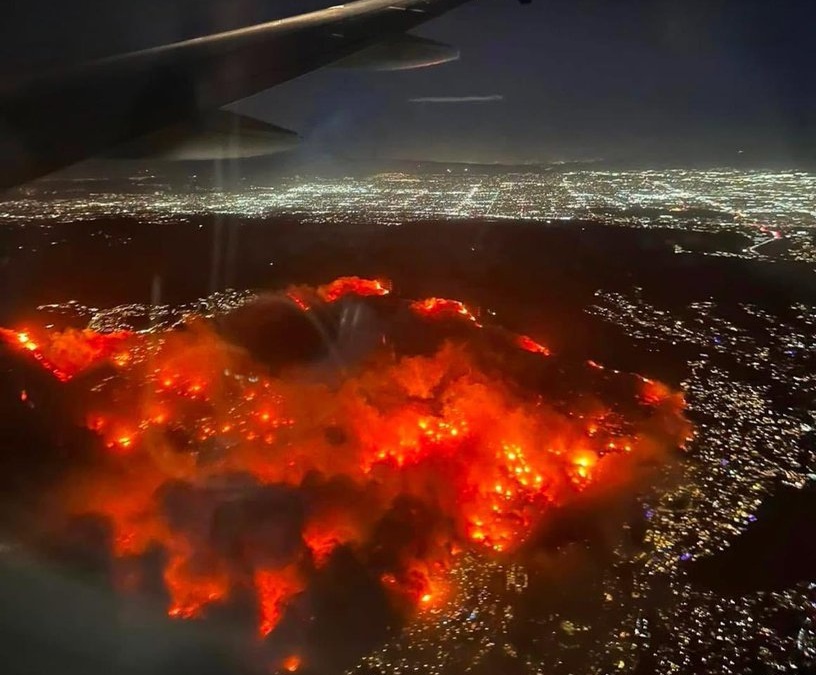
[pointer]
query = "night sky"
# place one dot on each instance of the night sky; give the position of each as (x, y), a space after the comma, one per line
(648, 82)
(637, 81)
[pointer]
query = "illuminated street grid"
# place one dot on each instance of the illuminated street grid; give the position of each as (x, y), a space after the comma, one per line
(468, 625)
(746, 443)
(748, 440)
(143, 317)
(764, 206)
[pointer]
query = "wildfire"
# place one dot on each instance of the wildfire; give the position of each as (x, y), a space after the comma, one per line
(417, 456)
(528, 344)
(274, 588)
(191, 590)
(291, 663)
(300, 302)
(654, 393)
(352, 286)
(69, 352)
(442, 307)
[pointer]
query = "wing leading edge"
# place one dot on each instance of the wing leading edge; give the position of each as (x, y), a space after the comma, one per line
(53, 119)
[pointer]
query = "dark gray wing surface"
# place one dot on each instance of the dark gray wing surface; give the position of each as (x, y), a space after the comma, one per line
(55, 118)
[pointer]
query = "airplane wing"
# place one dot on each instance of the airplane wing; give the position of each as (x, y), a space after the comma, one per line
(52, 118)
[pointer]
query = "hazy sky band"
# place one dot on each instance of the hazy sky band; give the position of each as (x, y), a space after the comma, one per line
(490, 98)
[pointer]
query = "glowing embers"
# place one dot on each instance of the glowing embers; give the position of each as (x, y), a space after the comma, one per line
(305, 297)
(583, 462)
(274, 588)
(654, 393)
(433, 592)
(192, 589)
(291, 663)
(322, 541)
(529, 345)
(408, 436)
(352, 286)
(67, 353)
(250, 480)
(299, 302)
(499, 517)
(443, 308)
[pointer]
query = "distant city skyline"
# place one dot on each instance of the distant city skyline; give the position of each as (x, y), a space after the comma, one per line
(773, 211)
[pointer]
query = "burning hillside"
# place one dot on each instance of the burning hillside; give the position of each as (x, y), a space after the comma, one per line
(253, 449)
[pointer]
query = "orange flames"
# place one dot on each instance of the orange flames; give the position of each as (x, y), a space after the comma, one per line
(190, 589)
(291, 663)
(442, 307)
(528, 344)
(654, 393)
(69, 352)
(436, 447)
(274, 588)
(352, 286)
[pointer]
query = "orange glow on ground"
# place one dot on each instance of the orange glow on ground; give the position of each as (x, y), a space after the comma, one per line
(352, 286)
(191, 590)
(442, 307)
(653, 392)
(274, 589)
(528, 344)
(189, 408)
(291, 663)
(300, 302)
(66, 353)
